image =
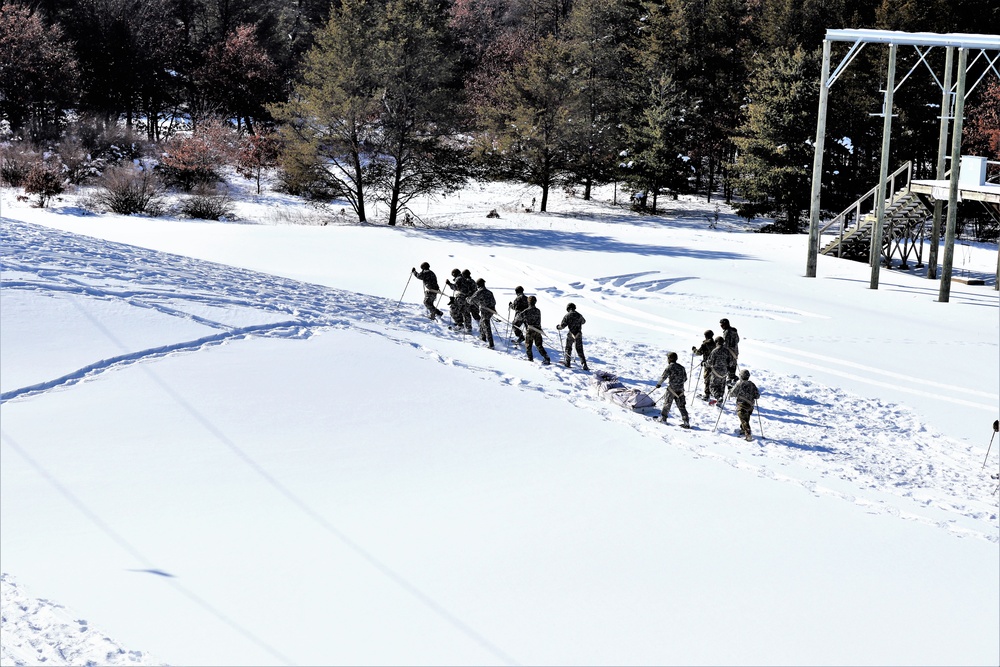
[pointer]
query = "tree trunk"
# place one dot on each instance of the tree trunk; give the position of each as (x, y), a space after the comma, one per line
(586, 188)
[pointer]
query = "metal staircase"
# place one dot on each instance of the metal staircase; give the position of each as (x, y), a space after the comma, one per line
(907, 216)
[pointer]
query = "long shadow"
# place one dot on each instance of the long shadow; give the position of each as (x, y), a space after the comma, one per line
(800, 446)
(551, 239)
(790, 418)
(987, 298)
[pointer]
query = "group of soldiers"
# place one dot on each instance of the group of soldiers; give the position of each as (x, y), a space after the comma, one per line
(719, 363)
(471, 299)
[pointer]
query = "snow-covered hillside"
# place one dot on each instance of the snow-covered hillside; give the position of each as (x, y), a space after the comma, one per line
(229, 443)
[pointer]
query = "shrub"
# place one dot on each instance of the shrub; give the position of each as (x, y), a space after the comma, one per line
(80, 166)
(207, 204)
(257, 153)
(196, 159)
(15, 162)
(129, 189)
(45, 180)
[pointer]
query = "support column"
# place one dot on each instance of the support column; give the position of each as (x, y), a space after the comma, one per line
(932, 257)
(876, 249)
(944, 292)
(817, 182)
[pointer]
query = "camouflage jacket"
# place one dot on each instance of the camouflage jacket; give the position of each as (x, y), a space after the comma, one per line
(484, 299)
(745, 391)
(465, 285)
(429, 280)
(573, 321)
(706, 348)
(731, 339)
(519, 303)
(718, 360)
(530, 316)
(675, 377)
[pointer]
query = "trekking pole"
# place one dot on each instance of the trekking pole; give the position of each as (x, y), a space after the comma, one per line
(989, 448)
(691, 372)
(404, 291)
(759, 422)
(506, 347)
(722, 407)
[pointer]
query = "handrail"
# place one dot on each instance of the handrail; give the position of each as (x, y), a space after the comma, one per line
(856, 206)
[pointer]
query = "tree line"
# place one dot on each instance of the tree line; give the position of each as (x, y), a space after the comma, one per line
(385, 100)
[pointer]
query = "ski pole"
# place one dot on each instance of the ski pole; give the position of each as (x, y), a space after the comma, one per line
(506, 347)
(759, 422)
(722, 407)
(988, 448)
(691, 371)
(404, 291)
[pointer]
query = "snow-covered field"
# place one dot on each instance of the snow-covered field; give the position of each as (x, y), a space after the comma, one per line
(226, 443)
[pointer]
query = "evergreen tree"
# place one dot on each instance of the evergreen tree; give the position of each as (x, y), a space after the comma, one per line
(414, 72)
(330, 123)
(528, 119)
(774, 166)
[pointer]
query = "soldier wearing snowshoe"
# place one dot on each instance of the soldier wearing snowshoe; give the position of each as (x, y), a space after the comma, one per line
(746, 394)
(468, 287)
(717, 369)
(486, 303)
(676, 377)
(573, 321)
(457, 304)
(704, 350)
(732, 341)
(531, 319)
(518, 305)
(431, 289)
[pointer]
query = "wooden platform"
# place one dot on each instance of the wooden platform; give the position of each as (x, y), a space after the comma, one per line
(989, 193)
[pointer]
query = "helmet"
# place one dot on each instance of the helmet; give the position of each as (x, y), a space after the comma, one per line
(425, 266)
(709, 334)
(481, 282)
(467, 273)
(455, 273)
(744, 375)
(719, 340)
(672, 356)
(532, 300)
(724, 323)
(519, 290)
(571, 306)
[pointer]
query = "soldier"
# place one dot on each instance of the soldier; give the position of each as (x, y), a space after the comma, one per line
(486, 303)
(457, 303)
(518, 305)
(573, 321)
(468, 287)
(704, 350)
(746, 394)
(675, 376)
(732, 338)
(531, 318)
(431, 289)
(717, 368)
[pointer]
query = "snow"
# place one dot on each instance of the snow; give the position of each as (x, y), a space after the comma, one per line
(225, 443)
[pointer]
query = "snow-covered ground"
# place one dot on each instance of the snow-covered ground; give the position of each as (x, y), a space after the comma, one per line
(228, 443)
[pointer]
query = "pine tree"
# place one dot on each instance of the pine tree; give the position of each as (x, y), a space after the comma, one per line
(528, 119)
(330, 124)
(775, 162)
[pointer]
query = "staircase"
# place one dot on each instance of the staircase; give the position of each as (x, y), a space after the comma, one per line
(906, 216)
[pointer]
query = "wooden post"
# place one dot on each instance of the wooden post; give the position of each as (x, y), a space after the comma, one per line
(944, 292)
(932, 256)
(817, 181)
(876, 249)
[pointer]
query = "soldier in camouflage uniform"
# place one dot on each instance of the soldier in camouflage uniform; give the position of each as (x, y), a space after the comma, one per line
(746, 394)
(518, 305)
(732, 340)
(717, 368)
(431, 289)
(468, 287)
(484, 300)
(675, 376)
(457, 304)
(531, 318)
(704, 350)
(573, 321)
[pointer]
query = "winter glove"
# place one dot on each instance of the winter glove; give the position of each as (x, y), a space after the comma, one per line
(657, 386)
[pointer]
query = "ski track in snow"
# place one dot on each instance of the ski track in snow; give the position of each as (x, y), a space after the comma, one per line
(43, 632)
(830, 442)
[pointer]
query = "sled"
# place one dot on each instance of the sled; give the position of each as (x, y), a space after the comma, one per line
(611, 388)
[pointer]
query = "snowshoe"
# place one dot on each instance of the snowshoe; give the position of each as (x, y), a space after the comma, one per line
(546, 362)
(685, 425)
(712, 401)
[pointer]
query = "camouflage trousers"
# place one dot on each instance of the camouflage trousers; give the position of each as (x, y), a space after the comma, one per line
(669, 400)
(432, 310)
(718, 383)
(574, 340)
(534, 338)
(460, 312)
(743, 411)
(486, 326)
